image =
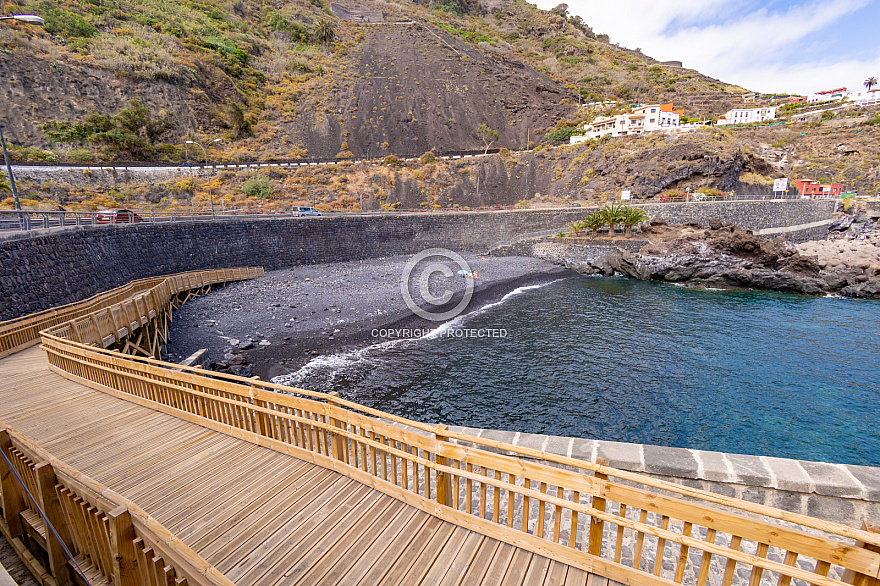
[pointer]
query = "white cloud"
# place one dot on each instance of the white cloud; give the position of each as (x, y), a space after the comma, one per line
(747, 45)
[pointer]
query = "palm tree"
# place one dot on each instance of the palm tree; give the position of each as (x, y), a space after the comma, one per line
(325, 34)
(594, 222)
(4, 184)
(612, 214)
(632, 217)
(576, 228)
(870, 82)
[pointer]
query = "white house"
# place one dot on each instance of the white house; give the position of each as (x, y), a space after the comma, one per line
(827, 96)
(643, 119)
(748, 115)
(864, 97)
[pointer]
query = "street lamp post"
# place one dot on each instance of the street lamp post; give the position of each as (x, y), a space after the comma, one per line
(31, 19)
(205, 150)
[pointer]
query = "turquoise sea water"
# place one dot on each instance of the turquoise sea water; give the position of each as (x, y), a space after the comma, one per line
(616, 359)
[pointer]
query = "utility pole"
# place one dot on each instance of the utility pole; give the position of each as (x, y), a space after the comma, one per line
(205, 150)
(30, 19)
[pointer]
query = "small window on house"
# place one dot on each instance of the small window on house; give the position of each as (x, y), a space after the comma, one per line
(652, 121)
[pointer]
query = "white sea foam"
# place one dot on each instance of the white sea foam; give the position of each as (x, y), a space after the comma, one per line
(330, 364)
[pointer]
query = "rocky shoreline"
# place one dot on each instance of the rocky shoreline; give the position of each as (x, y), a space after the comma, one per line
(725, 256)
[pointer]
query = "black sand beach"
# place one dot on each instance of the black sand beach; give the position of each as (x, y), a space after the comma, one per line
(281, 321)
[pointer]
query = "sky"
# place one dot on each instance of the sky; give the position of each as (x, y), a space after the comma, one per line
(793, 46)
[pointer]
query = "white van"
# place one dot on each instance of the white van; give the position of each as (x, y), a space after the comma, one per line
(304, 211)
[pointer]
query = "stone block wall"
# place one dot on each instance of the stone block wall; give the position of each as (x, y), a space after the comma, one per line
(835, 492)
(40, 270)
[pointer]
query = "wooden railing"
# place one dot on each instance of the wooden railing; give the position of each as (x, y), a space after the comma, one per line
(111, 539)
(628, 527)
(20, 333)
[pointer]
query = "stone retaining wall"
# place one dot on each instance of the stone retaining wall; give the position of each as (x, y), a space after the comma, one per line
(43, 270)
(834, 492)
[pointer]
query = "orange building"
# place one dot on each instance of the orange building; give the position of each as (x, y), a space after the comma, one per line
(815, 189)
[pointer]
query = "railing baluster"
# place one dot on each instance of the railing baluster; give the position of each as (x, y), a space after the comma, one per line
(640, 541)
(790, 560)
(706, 561)
(730, 568)
(618, 546)
(572, 537)
(540, 528)
(661, 547)
(683, 555)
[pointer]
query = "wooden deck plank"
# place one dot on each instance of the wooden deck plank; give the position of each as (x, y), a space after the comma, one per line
(396, 562)
(461, 562)
(264, 557)
(481, 563)
(440, 557)
(576, 577)
(314, 547)
(387, 547)
(269, 485)
(368, 547)
(517, 568)
(556, 574)
(499, 564)
(538, 569)
(262, 517)
(241, 523)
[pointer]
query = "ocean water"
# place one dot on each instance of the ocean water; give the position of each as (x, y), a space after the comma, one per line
(746, 372)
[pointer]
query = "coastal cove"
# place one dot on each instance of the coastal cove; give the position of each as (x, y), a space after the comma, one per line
(622, 360)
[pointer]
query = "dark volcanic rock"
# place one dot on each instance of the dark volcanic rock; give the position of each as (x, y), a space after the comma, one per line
(725, 257)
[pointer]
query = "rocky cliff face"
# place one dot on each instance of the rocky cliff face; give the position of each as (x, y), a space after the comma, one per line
(727, 257)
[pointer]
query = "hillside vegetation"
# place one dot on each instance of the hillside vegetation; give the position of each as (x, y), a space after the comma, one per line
(740, 159)
(133, 79)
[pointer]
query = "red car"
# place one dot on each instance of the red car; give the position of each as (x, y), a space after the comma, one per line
(117, 217)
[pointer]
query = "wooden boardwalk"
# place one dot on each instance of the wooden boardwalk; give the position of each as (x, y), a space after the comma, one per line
(157, 474)
(257, 515)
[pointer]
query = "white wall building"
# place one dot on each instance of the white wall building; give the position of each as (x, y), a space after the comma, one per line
(864, 97)
(827, 96)
(748, 115)
(643, 119)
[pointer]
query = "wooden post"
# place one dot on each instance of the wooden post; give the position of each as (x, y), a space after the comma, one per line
(339, 441)
(74, 333)
(597, 525)
(444, 480)
(13, 496)
(122, 551)
(851, 577)
(51, 505)
(261, 420)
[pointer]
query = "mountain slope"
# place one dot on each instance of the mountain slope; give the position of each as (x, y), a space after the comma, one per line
(257, 73)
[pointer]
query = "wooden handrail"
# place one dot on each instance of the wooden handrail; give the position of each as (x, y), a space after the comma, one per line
(20, 333)
(495, 494)
(581, 514)
(101, 524)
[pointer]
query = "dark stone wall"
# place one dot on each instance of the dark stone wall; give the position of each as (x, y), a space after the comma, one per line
(40, 271)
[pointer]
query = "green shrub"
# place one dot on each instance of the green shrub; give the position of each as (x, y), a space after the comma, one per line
(67, 24)
(562, 134)
(260, 188)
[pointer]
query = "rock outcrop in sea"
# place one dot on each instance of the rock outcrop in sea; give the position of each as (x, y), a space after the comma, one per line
(725, 256)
